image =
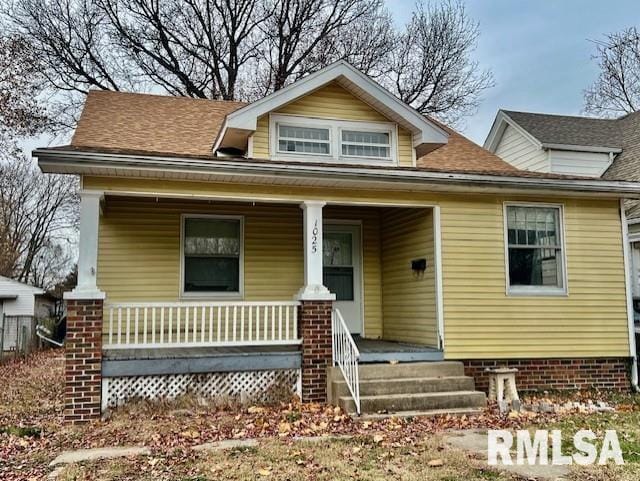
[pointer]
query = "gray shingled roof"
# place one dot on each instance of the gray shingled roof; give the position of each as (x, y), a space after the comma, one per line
(568, 130)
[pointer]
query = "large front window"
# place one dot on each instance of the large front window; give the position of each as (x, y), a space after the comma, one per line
(212, 249)
(535, 253)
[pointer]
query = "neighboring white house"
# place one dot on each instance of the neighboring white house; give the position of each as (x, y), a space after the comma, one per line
(18, 299)
(571, 145)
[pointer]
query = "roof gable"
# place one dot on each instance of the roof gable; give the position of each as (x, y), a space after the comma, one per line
(424, 131)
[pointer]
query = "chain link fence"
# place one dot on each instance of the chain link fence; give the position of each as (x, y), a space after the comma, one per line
(18, 336)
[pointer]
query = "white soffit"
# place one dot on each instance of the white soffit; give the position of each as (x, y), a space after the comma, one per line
(423, 130)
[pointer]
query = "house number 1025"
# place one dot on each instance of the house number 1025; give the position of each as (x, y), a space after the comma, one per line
(314, 238)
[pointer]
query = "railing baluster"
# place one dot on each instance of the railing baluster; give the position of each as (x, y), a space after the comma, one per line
(295, 321)
(144, 323)
(110, 325)
(119, 325)
(162, 325)
(195, 325)
(128, 326)
(242, 323)
(235, 319)
(273, 323)
(280, 323)
(178, 315)
(136, 324)
(186, 325)
(250, 323)
(219, 339)
(203, 324)
(265, 321)
(153, 325)
(226, 323)
(170, 328)
(210, 324)
(286, 328)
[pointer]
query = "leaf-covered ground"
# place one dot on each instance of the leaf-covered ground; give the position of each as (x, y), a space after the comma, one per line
(32, 434)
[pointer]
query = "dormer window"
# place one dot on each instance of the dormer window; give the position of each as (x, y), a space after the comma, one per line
(375, 145)
(303, 140)
(324, 140)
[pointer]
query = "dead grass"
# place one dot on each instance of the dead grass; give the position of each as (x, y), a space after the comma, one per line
(276, 460)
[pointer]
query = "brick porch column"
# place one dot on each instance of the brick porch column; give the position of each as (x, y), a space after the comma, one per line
(315, 329)
(83, 361)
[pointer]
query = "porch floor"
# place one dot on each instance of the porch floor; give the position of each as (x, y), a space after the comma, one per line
(378, 350)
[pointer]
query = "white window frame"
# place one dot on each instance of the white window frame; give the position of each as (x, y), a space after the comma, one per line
(291, 124)
(213, 294)
(369, 129)
(335, 128)
(536, 290)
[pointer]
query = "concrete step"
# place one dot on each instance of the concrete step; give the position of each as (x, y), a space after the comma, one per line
(409, 385)
(404, 370)
(415, 402)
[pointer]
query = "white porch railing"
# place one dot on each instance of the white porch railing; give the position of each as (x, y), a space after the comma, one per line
(158, 324)
(346, 355)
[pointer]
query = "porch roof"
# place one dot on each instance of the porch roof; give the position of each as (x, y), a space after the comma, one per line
(69, 160)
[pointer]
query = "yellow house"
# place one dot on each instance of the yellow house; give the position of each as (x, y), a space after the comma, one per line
(228, 247)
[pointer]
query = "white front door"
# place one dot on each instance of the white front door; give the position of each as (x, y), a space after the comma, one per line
(342, 271)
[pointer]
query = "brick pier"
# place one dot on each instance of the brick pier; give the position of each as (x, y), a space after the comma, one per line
(83, 361)
(314, 320)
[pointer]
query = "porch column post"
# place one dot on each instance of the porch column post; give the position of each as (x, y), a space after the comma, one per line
(316, 303)
(88, 251)
(83, 344)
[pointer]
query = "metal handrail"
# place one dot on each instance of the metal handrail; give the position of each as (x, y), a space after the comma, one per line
(346, 355)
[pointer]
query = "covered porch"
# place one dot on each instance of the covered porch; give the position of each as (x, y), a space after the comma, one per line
(220, 285)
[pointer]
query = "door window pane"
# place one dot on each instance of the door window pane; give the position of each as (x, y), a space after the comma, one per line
(211, 255)
(338, 264)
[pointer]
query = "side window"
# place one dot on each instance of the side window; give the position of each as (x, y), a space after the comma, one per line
(535, 260)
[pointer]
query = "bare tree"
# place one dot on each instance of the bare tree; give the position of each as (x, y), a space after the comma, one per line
(432, 69)
(21, 114)
(244, 49)
(38, 215)
(617, 88)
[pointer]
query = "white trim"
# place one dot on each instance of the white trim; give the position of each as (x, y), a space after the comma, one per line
(250, 147)
(497, 130)
(629, 296)
(335, 128)
(205, 294)
(158, 345)
(437, 254)
(246, 117)
(519, 291)
(243, 170)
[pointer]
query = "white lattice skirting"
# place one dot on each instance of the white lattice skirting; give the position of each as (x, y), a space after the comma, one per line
(242, 385)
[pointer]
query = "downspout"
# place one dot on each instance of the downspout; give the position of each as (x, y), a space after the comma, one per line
(630, 320)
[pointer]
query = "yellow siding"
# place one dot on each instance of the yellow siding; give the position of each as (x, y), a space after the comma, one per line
(331, 102)
(408, 299)
(480, 319)
(139, 249)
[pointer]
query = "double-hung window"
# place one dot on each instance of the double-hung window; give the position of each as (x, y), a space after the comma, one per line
(535, 253)
(375, 145)
(303, 140)
(212, 255)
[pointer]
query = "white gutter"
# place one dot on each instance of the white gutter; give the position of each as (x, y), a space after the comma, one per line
(86, 162)
(630, 316)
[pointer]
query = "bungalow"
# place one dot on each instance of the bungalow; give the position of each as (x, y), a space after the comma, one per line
(308, 238)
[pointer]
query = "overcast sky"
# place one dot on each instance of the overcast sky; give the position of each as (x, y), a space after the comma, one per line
(539, 51)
